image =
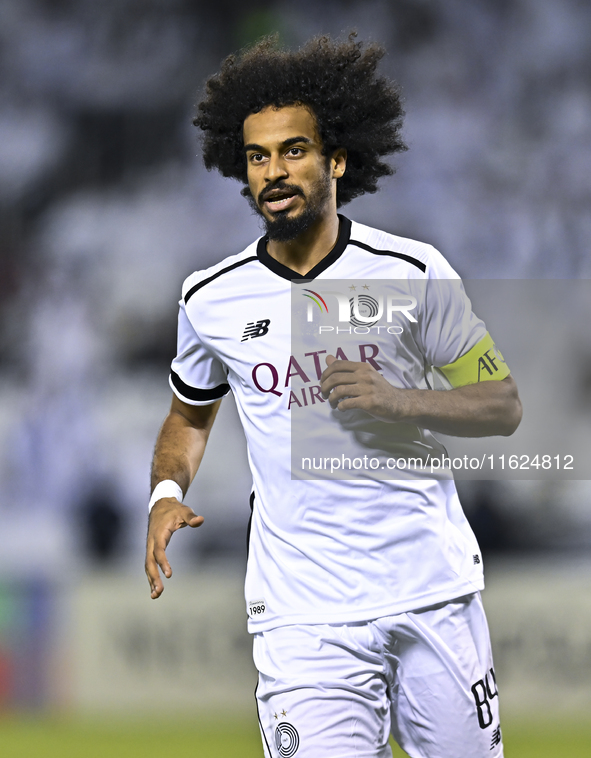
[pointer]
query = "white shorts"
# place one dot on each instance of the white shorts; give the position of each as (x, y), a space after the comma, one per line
(338, 690)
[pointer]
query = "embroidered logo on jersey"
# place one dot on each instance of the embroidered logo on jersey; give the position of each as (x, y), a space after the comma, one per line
(287, 739)
(256, 329)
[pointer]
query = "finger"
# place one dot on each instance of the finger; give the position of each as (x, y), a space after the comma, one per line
(341, 393)
(337, 380)
(157, 589)
(156, 585)
(338, 365)
(341, 377)
(350, 404)
(161, 559)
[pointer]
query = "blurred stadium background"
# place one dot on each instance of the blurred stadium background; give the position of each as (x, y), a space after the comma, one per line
(105, 208)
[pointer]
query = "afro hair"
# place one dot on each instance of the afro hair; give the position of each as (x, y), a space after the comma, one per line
(354, 108)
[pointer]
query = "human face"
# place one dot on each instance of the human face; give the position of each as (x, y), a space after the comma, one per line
(292, 184)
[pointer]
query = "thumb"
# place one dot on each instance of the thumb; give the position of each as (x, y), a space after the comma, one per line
(194, 521)
(191, 518)
(330, 359)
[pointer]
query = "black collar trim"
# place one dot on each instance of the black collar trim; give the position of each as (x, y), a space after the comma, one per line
(195, 288)
(287, 273)
(392, 253)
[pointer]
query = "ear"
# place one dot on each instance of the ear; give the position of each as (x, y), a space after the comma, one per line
(338, 162)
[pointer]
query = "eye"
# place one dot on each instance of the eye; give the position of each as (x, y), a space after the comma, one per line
(294, 151)
(256, 157)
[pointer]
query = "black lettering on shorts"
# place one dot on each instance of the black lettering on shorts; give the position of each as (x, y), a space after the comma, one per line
(483, 693)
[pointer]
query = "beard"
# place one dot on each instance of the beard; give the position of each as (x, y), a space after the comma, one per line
(283, 227)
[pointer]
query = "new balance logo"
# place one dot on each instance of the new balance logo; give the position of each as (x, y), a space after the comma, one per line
(496, 738)
(256, 329)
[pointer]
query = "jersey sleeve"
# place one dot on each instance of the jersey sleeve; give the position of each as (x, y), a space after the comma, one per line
(455, 341)
(196, 377)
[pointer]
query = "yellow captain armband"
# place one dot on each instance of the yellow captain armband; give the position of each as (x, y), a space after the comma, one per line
(483, 363)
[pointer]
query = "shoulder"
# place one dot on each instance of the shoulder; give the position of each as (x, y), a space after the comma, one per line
(232, 266)
(423, 257)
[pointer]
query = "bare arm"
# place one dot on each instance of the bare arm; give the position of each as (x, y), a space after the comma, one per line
(178, 453)
(476, 410)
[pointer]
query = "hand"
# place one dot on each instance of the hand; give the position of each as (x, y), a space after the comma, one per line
(166, 517)
(350, 385)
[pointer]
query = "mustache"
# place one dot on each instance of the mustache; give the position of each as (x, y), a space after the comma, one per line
(291, 188)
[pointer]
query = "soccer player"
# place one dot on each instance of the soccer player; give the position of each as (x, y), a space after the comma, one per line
(362, 593)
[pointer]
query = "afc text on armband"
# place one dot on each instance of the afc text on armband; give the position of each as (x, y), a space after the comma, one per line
(487, 363)
(267, 379)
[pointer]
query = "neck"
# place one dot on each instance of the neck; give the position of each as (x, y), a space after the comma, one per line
(309, 248)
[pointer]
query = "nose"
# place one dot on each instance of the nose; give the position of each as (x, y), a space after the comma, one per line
(276, 169)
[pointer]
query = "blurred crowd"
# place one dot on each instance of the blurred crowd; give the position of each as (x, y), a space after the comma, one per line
(105, 208)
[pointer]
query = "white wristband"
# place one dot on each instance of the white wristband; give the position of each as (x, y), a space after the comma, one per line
(167, 488)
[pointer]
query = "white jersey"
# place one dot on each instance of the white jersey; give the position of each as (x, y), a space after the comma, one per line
(330, 550)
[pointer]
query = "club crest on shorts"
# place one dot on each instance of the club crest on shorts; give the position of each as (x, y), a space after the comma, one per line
(287, 739)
